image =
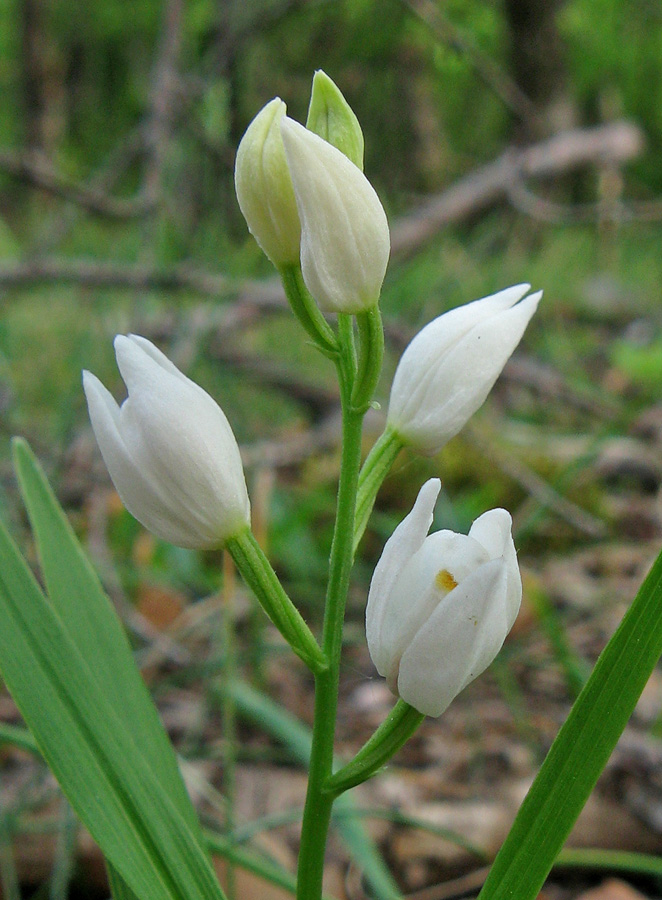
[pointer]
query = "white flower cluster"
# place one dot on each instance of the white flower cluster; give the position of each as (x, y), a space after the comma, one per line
(439, 606)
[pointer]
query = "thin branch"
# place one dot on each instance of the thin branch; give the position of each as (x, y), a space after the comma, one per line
(163, 97)
(34, 170)
(616, 143)
(551, 212)
(127, 276)
(536, 486)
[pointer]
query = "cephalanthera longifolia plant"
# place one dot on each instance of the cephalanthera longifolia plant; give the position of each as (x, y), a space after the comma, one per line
(439, 607)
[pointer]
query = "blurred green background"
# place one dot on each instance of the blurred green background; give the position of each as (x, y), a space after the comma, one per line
(118, 129)
(510, 141)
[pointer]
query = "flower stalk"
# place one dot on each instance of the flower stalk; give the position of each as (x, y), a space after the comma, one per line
(257, 572)
(440, 605)
(317, 809)
(373, 472)
(370, 356)
(307, 312)
(394, 732)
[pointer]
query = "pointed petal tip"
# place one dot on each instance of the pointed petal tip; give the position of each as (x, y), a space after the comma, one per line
(429, 493)
(121, 343)
(90, 383)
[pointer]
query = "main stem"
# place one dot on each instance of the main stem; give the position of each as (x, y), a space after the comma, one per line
(317, 810)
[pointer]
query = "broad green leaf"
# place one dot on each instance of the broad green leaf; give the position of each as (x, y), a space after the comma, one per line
(581, 749)
(89, 750)
(298, 738)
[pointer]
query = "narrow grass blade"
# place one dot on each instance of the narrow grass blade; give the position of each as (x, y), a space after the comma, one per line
(251, 862)
(87, 613)
(89, 750)
(581, 749)
(89, 617)
(18, 737)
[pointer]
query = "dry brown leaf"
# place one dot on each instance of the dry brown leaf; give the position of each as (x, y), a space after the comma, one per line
(612, 889)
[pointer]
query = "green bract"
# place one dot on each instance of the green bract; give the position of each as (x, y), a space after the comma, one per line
(331, 116)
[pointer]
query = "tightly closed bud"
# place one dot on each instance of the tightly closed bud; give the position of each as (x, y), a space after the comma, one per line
(332, 118)
(440, 606)
(345, 240)
(450, 367)
(264, 187)
(169, 450)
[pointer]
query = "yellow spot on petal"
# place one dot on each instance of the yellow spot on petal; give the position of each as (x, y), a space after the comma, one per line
(444, 580)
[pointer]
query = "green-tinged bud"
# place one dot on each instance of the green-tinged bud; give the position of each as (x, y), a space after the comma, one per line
(345, 240)
(264, 187)
(331, 116)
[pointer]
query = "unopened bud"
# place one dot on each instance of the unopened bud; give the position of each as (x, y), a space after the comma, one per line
(264, 187)
(345, 241)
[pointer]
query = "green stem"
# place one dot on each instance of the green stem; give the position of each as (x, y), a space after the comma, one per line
(229, 715)
(374, 471)
(258, 574)
(307, 312)
(371, 354)
(347, 365)
(392, 734)
(317, 810)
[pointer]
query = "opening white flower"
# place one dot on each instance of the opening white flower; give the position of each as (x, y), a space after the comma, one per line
(451, 365)
(440, 606)
(169, 450)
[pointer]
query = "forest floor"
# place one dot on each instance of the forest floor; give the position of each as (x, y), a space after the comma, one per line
(440, 811)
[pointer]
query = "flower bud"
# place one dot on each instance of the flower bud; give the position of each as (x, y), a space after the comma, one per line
(449, 368)
(345, 240)
(264, 187)
(332, 118)
(440, 606)
(169, 450)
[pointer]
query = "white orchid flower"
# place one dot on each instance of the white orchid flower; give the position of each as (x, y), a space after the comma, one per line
(169, 450)
(440, 605)
(450, 367)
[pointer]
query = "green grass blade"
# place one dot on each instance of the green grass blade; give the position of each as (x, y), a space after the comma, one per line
(119, 889)
(89, 750)
(17, 737)
(251, 862)
(87, 613)
(581, 749)
(89, 617)
(298, 738)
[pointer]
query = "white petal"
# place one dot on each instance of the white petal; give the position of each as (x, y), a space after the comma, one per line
(422, 356)
(444, 560)
(345, 242)
(494, 531)
(407, 538)
(136, 492)
(264, 187)
(454, 387)
(175, 431)
(170, 450)
(458, 641)
(150, 349)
